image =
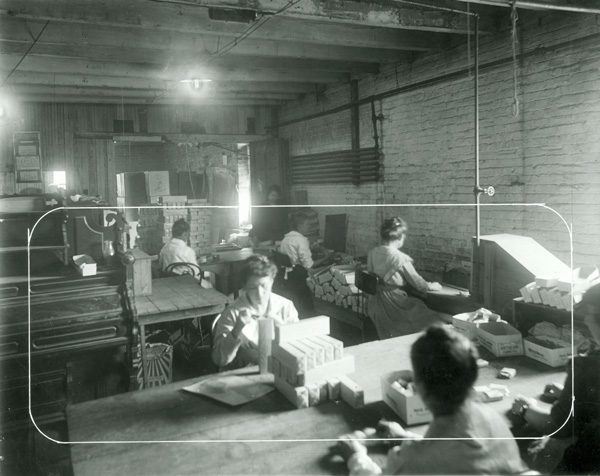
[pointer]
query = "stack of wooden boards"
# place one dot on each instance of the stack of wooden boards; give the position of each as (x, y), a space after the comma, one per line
(556, 292)
(335, 284)
(310, 367)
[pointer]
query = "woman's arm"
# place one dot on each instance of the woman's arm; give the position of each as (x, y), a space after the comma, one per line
(413, 278)
(227, 339)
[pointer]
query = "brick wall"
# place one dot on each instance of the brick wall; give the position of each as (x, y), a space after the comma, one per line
(549, 153)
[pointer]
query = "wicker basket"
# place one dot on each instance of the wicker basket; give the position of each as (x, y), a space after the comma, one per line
(159, 366)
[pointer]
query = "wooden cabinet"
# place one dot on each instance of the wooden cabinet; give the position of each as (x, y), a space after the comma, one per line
(526, 315)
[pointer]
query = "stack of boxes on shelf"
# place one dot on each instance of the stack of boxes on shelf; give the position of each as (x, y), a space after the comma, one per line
(556, 292)
(174, 208)
(335, 284)
(199, 218)
(147, 238)
(310, 367)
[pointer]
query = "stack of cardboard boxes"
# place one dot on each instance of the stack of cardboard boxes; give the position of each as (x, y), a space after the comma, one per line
(199, 218)
(335, 284)
(310, 367)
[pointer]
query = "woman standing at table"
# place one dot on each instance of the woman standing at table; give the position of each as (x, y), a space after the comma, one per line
(393, 312)
(236, 332)
(573, 444)
(269, 224)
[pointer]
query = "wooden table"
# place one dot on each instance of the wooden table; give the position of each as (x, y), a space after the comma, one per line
(173, 299)
(175, 417)
(228, 266)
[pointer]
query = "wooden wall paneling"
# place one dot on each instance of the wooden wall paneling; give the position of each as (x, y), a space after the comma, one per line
(99, 148)
(69, 152)
(111, 167)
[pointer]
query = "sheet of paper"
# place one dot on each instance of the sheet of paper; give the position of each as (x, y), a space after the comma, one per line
(234, 389)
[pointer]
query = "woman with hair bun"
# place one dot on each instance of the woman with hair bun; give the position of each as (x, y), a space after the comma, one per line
(392, 311)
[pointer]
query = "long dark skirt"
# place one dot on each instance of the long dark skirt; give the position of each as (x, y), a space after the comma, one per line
(299, 292)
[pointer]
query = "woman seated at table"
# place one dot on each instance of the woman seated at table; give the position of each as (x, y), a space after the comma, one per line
(235, 341)
(465, 436)
(393, 312)
(573, 444)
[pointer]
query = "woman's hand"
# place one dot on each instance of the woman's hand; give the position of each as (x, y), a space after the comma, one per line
(521, 403)
(552, 391)
(352, 443)
(390, 429)
(244, 317)
(434, 287)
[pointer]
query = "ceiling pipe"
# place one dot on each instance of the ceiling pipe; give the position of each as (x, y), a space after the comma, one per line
(535, 5)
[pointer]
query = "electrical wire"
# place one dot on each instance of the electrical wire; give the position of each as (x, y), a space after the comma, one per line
(514, 17)
(433, 7)
(26, 53)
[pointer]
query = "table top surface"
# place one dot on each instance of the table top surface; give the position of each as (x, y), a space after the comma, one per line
(182, 433)
(178, 293)
(237, 255)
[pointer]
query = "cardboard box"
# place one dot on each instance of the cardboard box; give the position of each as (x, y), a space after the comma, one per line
(157, 183)
(85, 265)
(551, 357)
(500, 338)
(469, 329)
(411, 409)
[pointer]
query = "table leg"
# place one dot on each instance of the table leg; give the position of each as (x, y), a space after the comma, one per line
(143, 354)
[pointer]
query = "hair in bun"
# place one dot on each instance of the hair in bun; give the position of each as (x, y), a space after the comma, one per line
(393, 228)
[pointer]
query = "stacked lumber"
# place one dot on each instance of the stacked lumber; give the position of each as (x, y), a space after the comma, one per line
(147, 239)
(310, 367)
(199, 218)
(335, 284)
(560, 292)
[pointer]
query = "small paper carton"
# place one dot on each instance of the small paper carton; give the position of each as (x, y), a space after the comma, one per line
(411, 408)
(500, 338)
(551, 357)
(467, 322)
(85, 265)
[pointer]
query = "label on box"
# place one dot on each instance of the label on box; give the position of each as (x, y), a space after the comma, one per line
(551, 357)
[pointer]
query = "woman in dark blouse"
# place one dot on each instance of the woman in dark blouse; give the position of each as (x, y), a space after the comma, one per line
(269, 224)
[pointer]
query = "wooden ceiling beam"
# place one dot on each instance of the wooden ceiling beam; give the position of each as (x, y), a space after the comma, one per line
(45, 64)
(149, 94)
(572, 6)
(85, 35)
(383, 13)
(177, 58)
(140, 84)
(193, 19)
(117, 100)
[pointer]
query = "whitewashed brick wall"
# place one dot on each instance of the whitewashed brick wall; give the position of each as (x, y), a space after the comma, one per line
(549, 153)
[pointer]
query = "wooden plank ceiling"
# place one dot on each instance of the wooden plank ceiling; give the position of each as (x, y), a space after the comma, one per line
(138, 51)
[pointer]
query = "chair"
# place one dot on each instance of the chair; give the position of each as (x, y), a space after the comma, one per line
(367, 283)
(190, 268)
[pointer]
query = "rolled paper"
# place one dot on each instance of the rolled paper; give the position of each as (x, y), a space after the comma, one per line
(265, 338)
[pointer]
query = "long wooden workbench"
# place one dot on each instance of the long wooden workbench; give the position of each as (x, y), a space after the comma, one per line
(174, 432)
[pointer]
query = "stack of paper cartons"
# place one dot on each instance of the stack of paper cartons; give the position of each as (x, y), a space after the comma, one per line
(556, 291)
(310, 366)
(335, 284)
(199, 218)
(147, 238)
(173, 209)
